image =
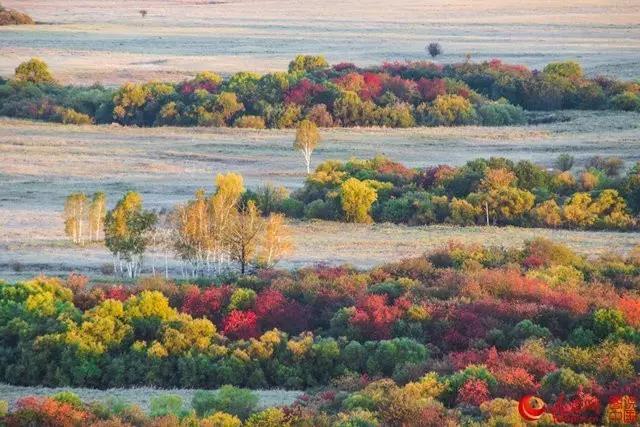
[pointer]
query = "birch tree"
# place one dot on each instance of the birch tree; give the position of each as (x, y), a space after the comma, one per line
(307, 139)
(97, 211)
(74, 216)
(126, 230)
(223, 205)
(276, 241)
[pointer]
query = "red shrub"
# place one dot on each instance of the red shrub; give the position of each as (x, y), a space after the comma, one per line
(274, 310)
(512, 285)
(433, 176)
(391, 168)
(374, 318)
(395, 67)
(431, 89)
(516, 369)
(353, 82)
(515, 382)
(302, 92)
(474, 392)
(405, 90)
(514, 69)
(187, 88)
(326, 272)
(533, 261)
(615, 388)
(582, 408)
(46, 412)
(630, 306)
(77, 282)
(207, 303)
(241, 325)
(537, 366)
(342, 66)
(372, 86)
(119, 293)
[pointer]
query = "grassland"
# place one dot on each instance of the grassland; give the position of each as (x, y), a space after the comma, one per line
(139, 396)
(88, 40)
(41, 163)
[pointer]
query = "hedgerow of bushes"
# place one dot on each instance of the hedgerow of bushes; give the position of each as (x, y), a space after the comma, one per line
(497, 191)
(392, 95)
(461, 332)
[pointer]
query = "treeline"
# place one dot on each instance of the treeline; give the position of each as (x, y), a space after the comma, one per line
(392, 95)
(494, 191)
(465, 327)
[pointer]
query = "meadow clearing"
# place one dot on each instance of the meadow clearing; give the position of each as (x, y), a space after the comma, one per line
(140, 396)
(42, 163)
(89, 41)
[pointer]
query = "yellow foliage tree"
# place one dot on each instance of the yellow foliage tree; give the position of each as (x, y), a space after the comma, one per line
(357, 198)
(577, 211)
(97, 212)
(34, 70)
(497, 178)
(506, 204)
(276, 241)
(547, 214)
(307, 139)
(75, 212)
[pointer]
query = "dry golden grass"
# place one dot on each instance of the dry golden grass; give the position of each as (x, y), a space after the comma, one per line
(109, 41)
(42, 163)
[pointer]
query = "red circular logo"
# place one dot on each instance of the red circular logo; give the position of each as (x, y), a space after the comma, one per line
(531, 408)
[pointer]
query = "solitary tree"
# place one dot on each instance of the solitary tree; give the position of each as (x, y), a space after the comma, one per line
(126, 231)
(97, 211)
(564, 162)
(307, 139)
(35, 71)
(142, 12)
(75, 211)
(434, 49)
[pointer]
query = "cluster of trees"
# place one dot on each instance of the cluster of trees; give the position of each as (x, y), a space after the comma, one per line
(84, 217)
(460, 334)
(214, 229)
(392, 95)
(207, 233)
(494, 191)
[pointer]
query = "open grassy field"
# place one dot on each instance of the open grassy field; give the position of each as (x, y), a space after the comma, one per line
(138, 396)
(41, 163)
(88, 40)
